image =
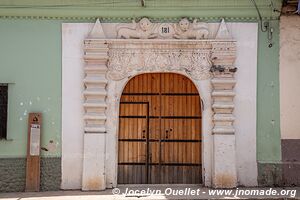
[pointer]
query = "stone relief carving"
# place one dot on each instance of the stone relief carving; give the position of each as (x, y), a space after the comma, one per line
(145, 29)
(142, 30)
(186, 30)
(124, 61)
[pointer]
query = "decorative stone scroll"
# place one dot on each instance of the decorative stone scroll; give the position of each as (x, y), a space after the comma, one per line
(158, 58)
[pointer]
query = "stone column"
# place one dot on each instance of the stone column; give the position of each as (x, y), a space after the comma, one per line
(224, 173)
(95, 57)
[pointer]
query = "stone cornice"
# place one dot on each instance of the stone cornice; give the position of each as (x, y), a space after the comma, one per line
(105, 19)
(163, 44)
(162, 41)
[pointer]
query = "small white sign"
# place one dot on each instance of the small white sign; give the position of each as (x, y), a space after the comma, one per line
(166, 30)
(35, 135)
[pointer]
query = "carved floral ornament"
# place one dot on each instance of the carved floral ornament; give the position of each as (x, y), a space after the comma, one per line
(122, 62)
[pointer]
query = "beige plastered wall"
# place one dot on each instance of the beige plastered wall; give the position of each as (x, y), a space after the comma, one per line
(290, 76)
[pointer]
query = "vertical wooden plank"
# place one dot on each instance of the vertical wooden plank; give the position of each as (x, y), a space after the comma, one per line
(158, 87)
(131, 132)
(186, 158)
(172, 107)
(193, 125)
(178, 112)
(188, 111)
(33, 153)
(165, 108)
(137, 111)
(120, 144)
(120, 172)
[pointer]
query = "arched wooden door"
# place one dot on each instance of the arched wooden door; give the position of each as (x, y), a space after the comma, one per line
(160, 131)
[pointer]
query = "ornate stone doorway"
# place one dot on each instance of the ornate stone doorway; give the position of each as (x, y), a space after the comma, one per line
(111, 63)
(159, 140)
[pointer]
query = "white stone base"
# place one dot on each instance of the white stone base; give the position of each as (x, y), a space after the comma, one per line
(93, 176)
(224, 168)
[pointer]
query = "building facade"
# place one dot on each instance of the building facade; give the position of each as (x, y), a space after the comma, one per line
(193, 87)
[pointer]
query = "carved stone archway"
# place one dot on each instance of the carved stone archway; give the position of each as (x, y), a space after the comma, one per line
(110, 63)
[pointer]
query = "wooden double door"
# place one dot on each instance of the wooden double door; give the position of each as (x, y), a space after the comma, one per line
(159, 138)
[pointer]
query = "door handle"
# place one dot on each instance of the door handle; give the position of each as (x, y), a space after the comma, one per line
(168, 133)
(143, 134)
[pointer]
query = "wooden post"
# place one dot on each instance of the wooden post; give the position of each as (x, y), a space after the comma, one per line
(33, 152)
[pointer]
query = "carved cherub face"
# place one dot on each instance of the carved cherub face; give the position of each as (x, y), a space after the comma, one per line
(184, 24)
(145, 24)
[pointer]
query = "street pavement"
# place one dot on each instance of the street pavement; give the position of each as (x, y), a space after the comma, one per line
(157, 192)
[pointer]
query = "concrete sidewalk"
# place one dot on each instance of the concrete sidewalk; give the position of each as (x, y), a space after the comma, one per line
(153, 192)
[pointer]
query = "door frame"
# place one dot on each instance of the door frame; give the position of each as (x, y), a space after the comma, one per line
(148, 159)
(204, 91)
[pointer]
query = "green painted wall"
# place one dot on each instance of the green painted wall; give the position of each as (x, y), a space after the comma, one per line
(30, 60)
(79, 9)
(268, 116)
